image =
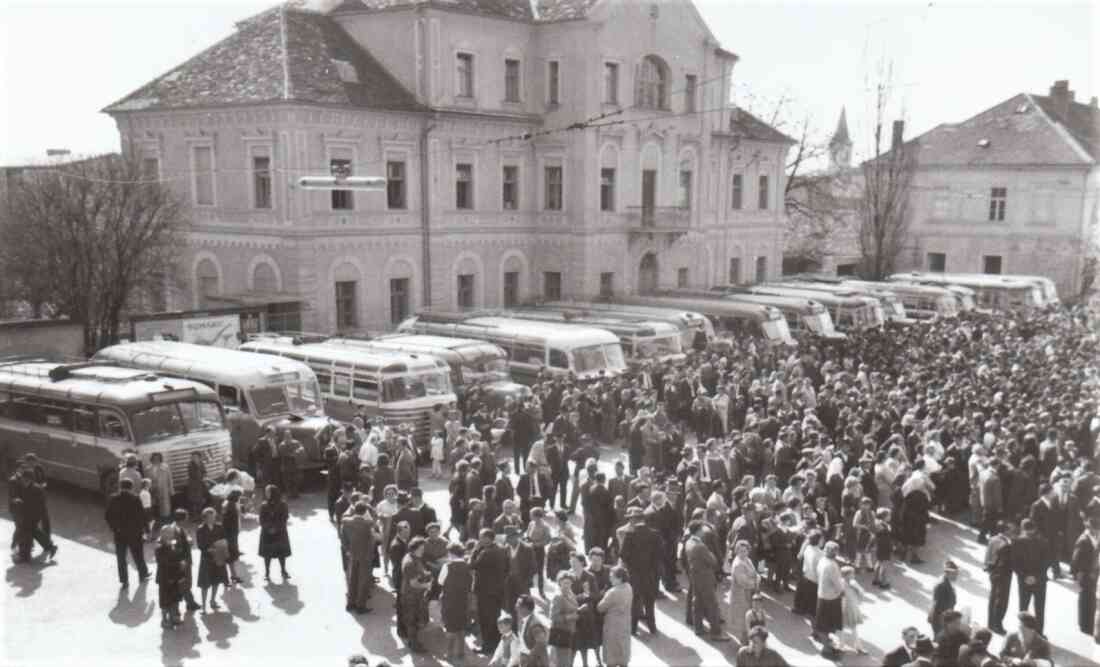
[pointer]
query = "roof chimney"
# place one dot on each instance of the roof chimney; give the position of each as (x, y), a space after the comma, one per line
(1061, 97)
(899, 131)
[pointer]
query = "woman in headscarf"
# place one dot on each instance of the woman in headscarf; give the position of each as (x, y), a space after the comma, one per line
(745, 582)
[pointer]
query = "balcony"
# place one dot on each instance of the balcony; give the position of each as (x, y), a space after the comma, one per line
(670, 222)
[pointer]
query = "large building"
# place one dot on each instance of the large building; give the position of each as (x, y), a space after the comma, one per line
(532, 149)
(1013, 189)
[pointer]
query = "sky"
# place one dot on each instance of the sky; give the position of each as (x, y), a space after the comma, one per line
(61, 61)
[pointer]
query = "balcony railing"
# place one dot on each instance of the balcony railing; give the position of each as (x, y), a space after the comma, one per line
(658, 218)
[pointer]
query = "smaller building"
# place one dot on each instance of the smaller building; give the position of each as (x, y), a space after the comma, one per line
(1010, 190)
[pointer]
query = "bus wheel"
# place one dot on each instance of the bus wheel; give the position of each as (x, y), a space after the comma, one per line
(108, 483)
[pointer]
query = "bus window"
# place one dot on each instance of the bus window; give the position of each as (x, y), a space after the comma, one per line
(230, 398)
(558, 359)
(111, 425)
(201, 416)
(26, 409)
(341, 385)
(365, 389)
(157, 423)
(324, 380)
(84, 420)
(394, 389)
(57, 414)
(528, 353)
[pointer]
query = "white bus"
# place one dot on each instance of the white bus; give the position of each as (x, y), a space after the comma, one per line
(849, 312)
(691, 324)
(403, 388)
(922, 302)
(256, 390)
(887, 306)
(641, 339)
(738, 318)
(586, 352)
(472, 362)
(994, 292)
(82, 419)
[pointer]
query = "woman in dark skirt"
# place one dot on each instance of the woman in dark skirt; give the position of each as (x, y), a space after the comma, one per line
(587, 636)
(169, 578)
(213, 555)
(459, 507)
(914, 522)
(805, 594)
(231, 524)
(274, 538)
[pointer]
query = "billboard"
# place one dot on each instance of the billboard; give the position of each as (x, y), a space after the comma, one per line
(217, 330)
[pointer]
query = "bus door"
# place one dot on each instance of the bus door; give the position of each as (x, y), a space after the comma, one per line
(338, 402)
(112, 439)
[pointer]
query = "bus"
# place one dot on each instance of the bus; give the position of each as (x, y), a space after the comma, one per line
(640, 339)
(922, 302)
(691, 324)
(472, 362)
(1047, 288)
(994, 292)
(803, 315)
(401, 387)
(849, 312)
(587, 353)
(739, 318)
(82, 419)
(255, 390)
(879, 306)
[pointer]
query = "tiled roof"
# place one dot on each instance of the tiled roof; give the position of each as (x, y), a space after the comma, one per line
(1021, 130)
(546, 10)
(748, 126)
(281, 54)
(1081, 121)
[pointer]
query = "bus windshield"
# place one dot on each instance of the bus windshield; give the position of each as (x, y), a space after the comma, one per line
(820, 323)
(161, 422)
(598, 357)
(776, 330)
(418, 385)
(487, 369)
(948, 306)
(294, 398)
(658, 347)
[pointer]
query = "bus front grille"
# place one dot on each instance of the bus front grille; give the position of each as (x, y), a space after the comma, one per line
(416, 418)
(214, 457)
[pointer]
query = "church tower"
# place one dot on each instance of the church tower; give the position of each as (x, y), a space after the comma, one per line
(840, 146)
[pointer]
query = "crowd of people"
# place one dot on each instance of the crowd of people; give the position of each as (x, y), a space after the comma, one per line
(749, 469)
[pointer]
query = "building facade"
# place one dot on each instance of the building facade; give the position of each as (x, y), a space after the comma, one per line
(1013, 189)
(532, 149)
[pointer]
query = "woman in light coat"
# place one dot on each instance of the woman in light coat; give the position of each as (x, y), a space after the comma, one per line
(563, 621)
(745, 584)
(163, 489)
(615, 607)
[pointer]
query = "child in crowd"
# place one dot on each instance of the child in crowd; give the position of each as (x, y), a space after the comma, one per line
(756, 615)
(863, 524)
(884, 547)
(146, 496)
(438, 455)
(853, 614)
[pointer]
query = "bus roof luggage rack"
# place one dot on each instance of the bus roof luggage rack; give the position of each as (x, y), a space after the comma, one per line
(67, 371)
(450, 317)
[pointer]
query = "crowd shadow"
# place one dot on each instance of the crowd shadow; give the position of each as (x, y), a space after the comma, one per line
(671, 651)
(237, 604)
(135, 611)
(220, 628)
(27, 577)
(178, 644)
(285, 597)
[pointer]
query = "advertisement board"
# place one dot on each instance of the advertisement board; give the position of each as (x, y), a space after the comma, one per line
(218, 330)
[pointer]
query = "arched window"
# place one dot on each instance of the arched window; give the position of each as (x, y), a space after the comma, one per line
(653, 83)
(264, 278)
(208, 281)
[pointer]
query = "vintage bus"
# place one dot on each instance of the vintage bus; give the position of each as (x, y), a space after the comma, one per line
(803, 315)
(922, 302)
(994, 292)
(641, 339)
(82, 419)
(849, 312)
(691, 324)
(472, 362)
(586, 352)
(403, 388)
(736, 318)
(887, 306)
(256, 390)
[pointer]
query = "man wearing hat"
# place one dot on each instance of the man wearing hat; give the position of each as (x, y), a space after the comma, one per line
(1030, 559)
(1085, 568)
(953, 637)
(521, 566)
(488, 561)
(906, 653)
(943, 596)
(757, 653)
(641, 552)
(702, 568)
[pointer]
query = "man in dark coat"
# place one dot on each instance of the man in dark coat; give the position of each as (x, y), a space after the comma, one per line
(703, 568)
(35, 515)
(524, 430)
(1031, 557)
(488, 562)
(641, 550)
(998, 563)
(943, 597)
(904, 654)
(601, 511)
(521, 566)
(126, 517)
(950, 640)
(1084, 567)
(1044, 513)
(410, 515)
(559, 471)
(474, 487)
(533, 488)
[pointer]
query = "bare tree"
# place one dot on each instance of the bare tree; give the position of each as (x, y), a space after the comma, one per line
(85, 239)
(884, 205)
